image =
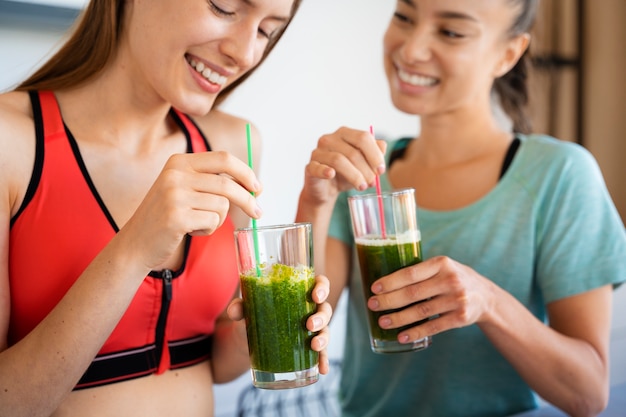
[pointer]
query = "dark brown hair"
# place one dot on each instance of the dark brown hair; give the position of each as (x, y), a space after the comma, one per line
(92, 44)
(512, 87)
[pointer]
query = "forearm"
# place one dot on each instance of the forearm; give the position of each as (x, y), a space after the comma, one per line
(319, 216)
(566, 371)
(230, 356)
(331, 260)
(50, 360)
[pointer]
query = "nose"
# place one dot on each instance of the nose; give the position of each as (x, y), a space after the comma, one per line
(418, 45)
(241, 44)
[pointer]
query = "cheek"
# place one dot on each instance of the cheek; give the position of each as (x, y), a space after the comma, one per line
(391, 42)
(469, 71)
(258, 56)
(462, 62)
(390, 46)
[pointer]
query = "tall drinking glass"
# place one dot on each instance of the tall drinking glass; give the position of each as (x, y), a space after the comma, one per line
(277, 278)
(386, 241)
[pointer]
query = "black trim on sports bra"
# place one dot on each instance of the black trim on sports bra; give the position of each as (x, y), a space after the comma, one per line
(100, 201)
(182, 126)
(81, 163)
(398, 150)
(83, 168)
(401, 145)
(39, 154)
(510, 154)
(139, 362)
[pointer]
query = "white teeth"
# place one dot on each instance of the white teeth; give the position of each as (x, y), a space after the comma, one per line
(416, 80)
(211, 76)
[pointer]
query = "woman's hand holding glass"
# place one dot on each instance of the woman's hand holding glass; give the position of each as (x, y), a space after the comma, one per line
(452, 294)
(317, 322)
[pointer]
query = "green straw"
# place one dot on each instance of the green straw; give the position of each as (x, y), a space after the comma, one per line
(255, 236)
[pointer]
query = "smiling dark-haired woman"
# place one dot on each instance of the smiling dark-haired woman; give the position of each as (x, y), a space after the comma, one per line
(521, 240)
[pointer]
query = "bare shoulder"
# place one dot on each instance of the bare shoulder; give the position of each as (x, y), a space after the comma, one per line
(226, 131)
(15, 104)
(17, 141)
(16, 116)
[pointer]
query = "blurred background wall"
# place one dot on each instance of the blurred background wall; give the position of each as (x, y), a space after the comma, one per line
(578, 83)
(327, 72)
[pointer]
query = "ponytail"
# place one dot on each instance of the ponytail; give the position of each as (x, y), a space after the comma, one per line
(512, 88)
(512, 91)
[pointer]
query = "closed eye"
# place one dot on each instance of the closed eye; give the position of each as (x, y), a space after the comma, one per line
(218, 10)
(265, 34)
(400, 17)
(451, 34)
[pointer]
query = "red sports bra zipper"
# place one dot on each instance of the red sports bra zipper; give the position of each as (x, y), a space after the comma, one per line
(166, 298)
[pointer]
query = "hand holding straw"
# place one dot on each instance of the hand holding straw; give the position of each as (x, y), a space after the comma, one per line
(255, 236)
(381, 211)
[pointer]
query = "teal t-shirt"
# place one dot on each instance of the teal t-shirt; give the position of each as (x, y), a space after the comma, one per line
(548, 230)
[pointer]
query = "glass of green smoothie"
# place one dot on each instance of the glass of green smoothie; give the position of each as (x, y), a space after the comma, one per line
(387, 238)
(277, 278)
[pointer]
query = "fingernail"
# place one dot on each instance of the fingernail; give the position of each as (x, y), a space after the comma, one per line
(321, 294)
(404, 338)
(380, 169)
(362, 187)
(376, 288)
(321, 342)
(256, 186)
(385, 322)
(373, 303)
(258, 211)
(317, 323)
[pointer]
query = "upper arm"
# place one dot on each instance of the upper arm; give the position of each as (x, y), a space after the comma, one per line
(586, 316)
(5, 298)
(16, 164)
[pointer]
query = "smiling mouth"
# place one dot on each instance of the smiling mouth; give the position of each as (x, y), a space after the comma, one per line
(210, 75)
(416, 80)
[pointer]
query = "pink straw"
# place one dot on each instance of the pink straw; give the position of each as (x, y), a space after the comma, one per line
(381, 211)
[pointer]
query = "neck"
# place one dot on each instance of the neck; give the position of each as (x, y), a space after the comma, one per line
(451, 138)
(116, 112)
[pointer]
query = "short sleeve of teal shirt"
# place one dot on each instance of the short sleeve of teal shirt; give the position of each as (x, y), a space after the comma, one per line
(580, 236)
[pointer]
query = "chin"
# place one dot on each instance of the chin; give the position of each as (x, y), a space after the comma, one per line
(197, 107)
(407, 104)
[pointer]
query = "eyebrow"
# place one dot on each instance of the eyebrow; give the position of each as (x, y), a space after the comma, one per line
(457, 15)
(444, 14)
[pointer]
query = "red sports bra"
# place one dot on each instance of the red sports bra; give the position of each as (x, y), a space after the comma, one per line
(62, 225)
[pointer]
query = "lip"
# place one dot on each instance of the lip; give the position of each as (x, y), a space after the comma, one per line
(207, 86)
(412, 88)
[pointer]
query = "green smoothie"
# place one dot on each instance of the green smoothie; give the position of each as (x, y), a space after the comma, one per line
(379, 257)
(276, 306)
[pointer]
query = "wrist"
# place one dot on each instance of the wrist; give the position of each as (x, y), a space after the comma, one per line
(490, 303)
(311, 208)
